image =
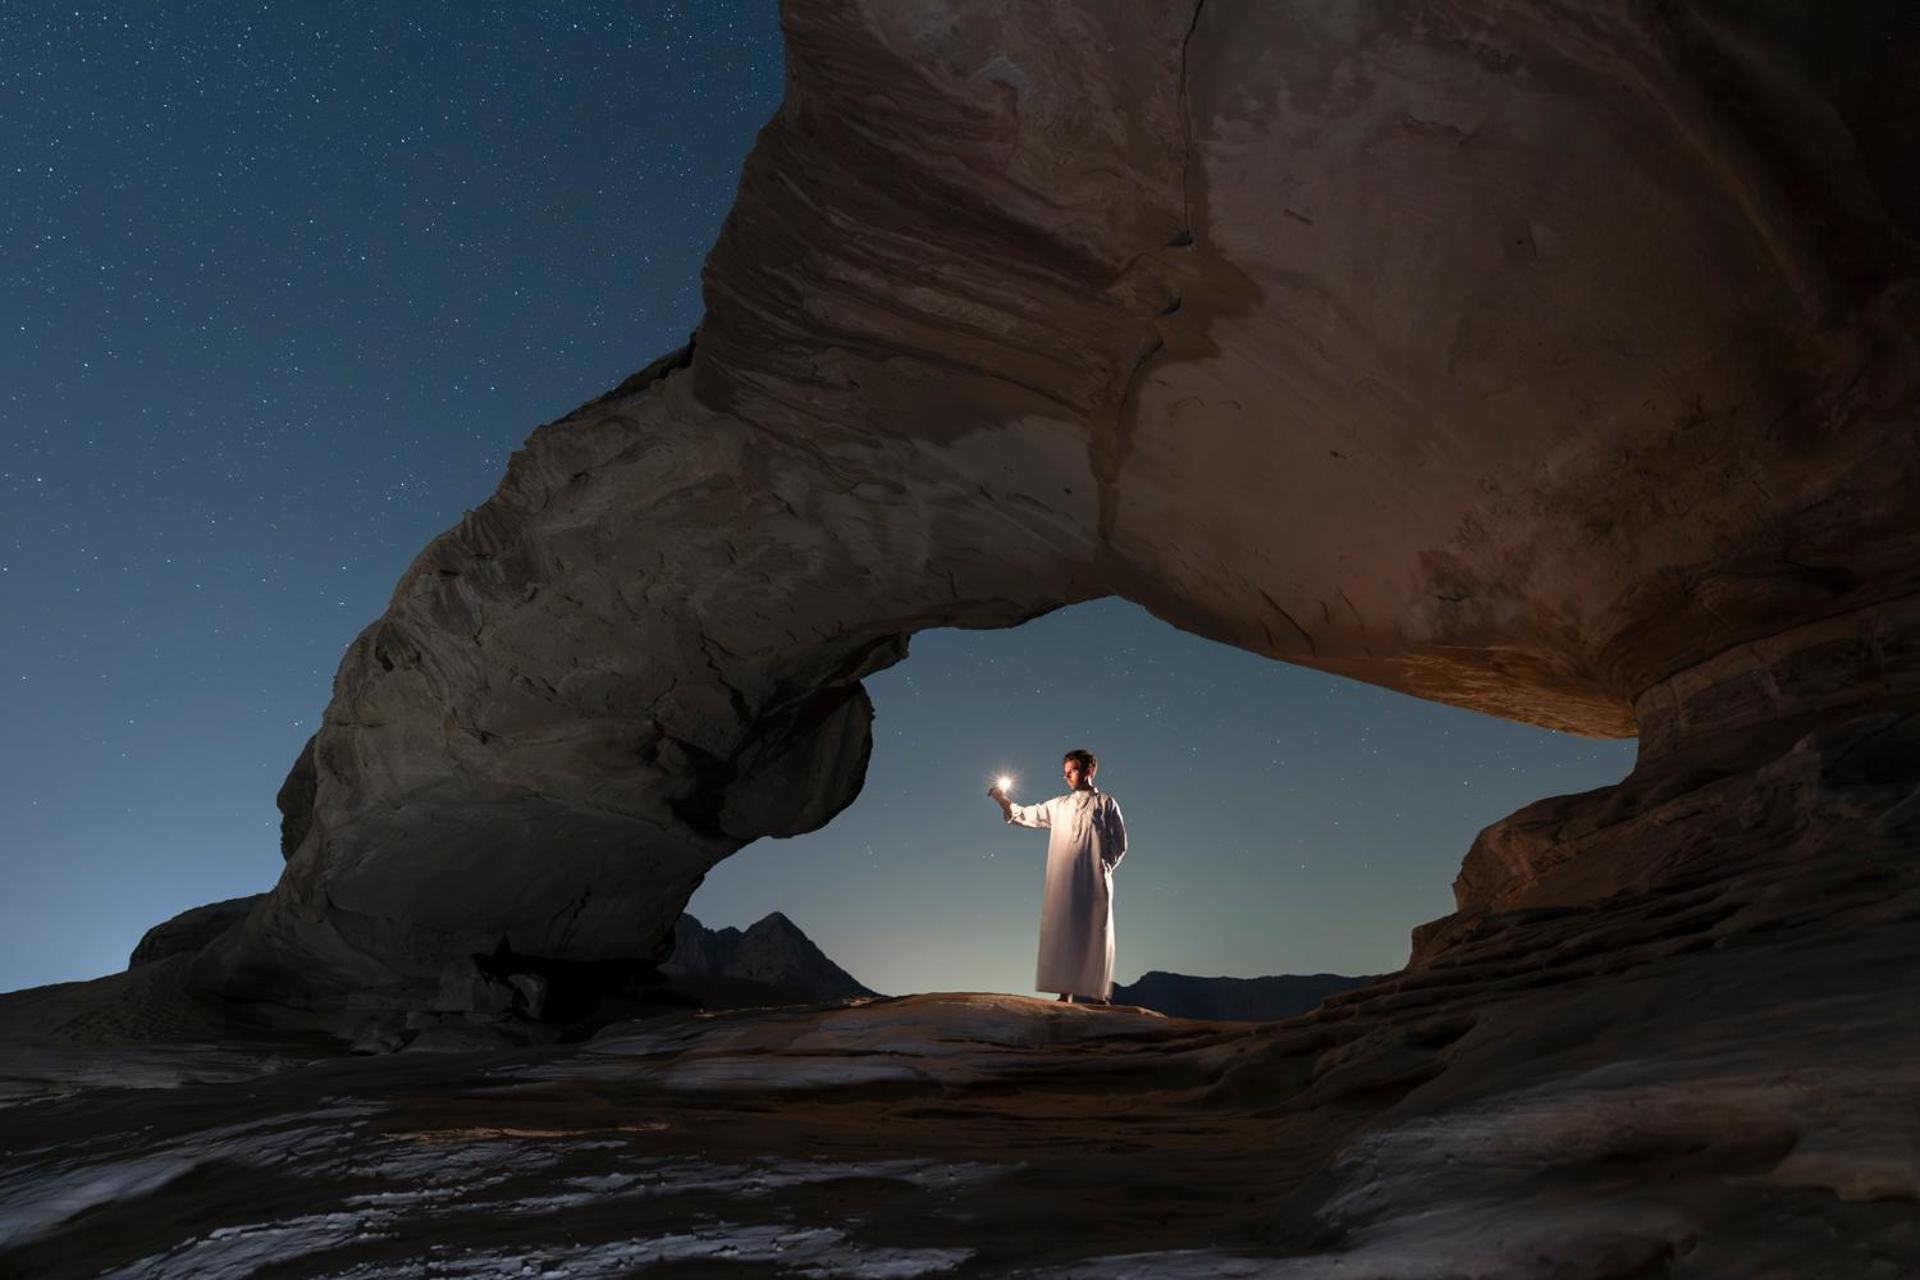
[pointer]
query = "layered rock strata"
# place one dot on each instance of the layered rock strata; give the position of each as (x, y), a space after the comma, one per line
(1555, 361)
(1829, 703)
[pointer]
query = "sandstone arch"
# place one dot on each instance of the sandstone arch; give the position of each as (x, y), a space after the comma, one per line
(1550, 360)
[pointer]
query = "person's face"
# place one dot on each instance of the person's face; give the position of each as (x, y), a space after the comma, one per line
(1076, 776)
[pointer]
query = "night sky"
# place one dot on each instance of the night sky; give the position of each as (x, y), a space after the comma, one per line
(286, 283)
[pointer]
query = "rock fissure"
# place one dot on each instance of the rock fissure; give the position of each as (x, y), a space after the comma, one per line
(1290, 621)
(1186, 126)
(573, 917)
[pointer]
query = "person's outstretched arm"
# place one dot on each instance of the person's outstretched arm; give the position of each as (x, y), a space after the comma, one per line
(1021, 815)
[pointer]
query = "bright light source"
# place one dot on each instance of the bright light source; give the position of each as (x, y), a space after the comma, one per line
(1004, 782)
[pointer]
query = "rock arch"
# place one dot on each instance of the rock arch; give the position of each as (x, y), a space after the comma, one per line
(1556, 363)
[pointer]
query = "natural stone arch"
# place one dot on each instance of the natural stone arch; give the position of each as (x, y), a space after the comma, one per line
(638, 694)
(1559, 368)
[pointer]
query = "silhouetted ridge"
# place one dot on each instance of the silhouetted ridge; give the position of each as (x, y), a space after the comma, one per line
(772, 951)
(1181, 995)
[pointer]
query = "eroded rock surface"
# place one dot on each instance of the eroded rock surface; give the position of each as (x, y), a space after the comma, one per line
(1837, 802)
(1554, 362)
(1718, 1086)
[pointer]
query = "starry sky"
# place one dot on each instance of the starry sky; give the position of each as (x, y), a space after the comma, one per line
(284, 285)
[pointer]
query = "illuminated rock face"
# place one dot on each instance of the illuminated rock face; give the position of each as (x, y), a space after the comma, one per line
(1556, 363)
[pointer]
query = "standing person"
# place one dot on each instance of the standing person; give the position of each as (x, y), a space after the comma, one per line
(1086, 843)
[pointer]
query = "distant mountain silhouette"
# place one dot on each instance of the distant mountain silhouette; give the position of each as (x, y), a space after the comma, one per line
(772, 952)
(1181, 995)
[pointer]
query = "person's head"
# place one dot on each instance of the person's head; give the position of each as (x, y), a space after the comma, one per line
(1078, 767)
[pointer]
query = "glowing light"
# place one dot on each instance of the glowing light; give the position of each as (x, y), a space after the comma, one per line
(1004, 782)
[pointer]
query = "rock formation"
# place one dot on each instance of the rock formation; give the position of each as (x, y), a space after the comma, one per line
(1556, 361)
(1269, 999)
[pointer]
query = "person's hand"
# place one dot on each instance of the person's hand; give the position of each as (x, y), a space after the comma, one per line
(997, 794)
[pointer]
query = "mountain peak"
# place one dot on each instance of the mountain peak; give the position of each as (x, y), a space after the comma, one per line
(772, 951)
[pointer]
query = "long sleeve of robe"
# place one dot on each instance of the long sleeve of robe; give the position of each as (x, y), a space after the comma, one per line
(1086, 840)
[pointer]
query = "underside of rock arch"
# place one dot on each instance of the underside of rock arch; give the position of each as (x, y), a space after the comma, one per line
(1551, 360)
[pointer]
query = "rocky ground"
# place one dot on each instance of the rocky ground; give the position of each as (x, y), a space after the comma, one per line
(1712, 1082)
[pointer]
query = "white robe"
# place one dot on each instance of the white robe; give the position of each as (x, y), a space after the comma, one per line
(1086, 843)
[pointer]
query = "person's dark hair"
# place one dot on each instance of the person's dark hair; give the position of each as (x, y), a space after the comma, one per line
(1082, 757)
